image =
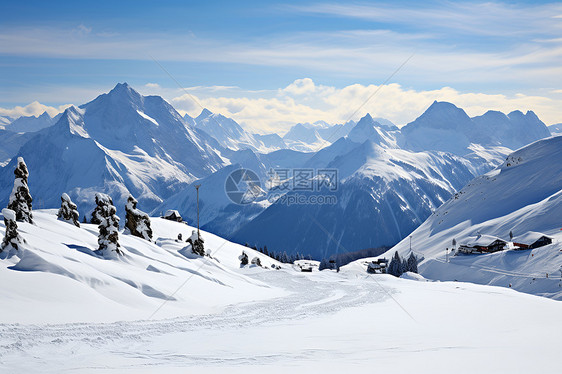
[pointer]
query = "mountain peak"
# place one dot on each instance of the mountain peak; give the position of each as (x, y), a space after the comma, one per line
(204, 114)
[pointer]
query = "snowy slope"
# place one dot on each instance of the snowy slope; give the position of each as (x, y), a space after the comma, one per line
(523, 194)
(119, 143)
(10, 143)
(555, 129)
(58, 274)
(253, 320)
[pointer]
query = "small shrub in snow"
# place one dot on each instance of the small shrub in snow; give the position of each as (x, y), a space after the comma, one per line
(137, 222)
(12, 240)
(102, 202)
(243, 259)
(67, 211)
(108, 239)
(20, 199)
(256, 261)
(196, 243)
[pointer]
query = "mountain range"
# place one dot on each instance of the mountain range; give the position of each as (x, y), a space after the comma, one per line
(389, 180)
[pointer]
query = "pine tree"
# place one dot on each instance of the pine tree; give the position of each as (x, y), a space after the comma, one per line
(243, 259)
(12, 240)
(20, 199)
(102, 201)
(137, 222)
(395, 267)
(412, 263)
(108, 239)
(197, 243)
(67, 211)
(256, 261)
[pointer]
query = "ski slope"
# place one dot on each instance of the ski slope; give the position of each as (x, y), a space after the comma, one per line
(66, 310)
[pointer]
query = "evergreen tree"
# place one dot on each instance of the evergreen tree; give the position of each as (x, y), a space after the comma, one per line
(196, 243)
(99, 213)
(20, 199)
(256, 261)
(243, 259)
(12, 240)
(137, 222)
(324, 264)
(412, 263)
(67, 211)
(108, 239)
(395, 267)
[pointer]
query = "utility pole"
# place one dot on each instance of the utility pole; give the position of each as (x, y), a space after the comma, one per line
(410, 243)
(197, 188)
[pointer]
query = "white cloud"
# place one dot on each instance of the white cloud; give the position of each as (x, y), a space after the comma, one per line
(305, 101)
(33, 109)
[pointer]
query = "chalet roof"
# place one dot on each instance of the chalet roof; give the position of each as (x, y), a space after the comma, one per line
(480, 241)
(172, 213)
(529, 237)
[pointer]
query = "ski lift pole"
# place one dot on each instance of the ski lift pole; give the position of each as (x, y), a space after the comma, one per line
(197, 188)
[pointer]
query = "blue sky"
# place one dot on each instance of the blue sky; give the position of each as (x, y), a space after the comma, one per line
(230, 53)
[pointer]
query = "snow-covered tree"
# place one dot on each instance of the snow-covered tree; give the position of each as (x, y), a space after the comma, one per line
(196, 243)
(395, 266)
(20, 199)
(243, 258)
(256, 261)
(67, 211)
(412, 263)
(102, 202)
(108, 238)
(12, 240)
(137, 222)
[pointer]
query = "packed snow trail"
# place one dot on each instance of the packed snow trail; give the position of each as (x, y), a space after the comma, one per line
(327, 322)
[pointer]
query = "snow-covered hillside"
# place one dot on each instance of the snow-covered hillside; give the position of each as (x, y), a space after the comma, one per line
(524, 194)
(248, 319)
(58, 273)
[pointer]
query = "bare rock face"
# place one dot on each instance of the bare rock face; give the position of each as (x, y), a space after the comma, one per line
(67, 211)
(137, 222)
(20, 199)
(12, 240)
(108, 238)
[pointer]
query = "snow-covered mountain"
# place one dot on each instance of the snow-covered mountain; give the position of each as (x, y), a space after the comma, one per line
(522, 195)
(119, 143)
(32, 123)
(10, 143)
(384, 193)
(311, 137)
(555, 129)
(445, 127)
(5, 121)
(228, 132)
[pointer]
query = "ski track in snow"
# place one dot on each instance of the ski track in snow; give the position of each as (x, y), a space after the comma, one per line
(23, 345)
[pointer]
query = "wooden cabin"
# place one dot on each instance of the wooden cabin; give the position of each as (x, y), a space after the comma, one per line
(482, 244)
(531, 240)
(172, 215)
